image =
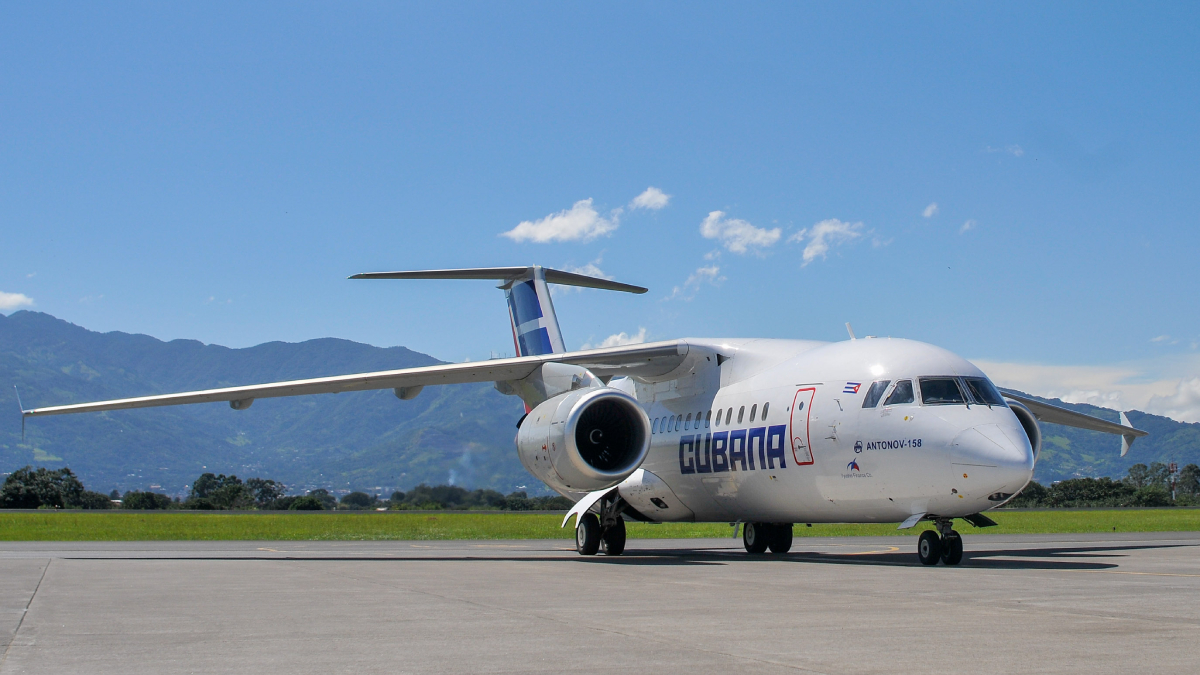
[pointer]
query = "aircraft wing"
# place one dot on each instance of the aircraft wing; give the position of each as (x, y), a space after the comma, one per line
(1056, 415)
(650, 359)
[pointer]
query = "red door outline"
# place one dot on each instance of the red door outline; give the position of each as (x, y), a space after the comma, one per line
(801, 443)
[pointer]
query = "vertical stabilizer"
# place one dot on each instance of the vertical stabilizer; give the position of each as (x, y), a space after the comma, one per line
(531, 311)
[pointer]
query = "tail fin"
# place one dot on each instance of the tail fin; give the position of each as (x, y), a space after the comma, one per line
(530, 310)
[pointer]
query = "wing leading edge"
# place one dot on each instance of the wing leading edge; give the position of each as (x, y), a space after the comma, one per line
(1053, 414)
(650, 360)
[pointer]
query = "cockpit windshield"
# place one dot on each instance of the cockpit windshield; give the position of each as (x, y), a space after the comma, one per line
(941, 391)
(903, 393)
(983, 391)
(875, 393)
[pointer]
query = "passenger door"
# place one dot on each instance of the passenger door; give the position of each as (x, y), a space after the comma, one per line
(799, 425)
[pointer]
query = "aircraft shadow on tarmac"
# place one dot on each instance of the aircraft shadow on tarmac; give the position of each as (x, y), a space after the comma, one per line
(1050, 558)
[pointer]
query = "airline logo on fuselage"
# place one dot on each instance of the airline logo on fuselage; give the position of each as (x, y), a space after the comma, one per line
(734, 450)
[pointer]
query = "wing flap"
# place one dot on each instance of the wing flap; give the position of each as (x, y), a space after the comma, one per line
(649, 359)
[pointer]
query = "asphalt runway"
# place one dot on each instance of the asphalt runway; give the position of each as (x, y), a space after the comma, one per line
(1114, 603)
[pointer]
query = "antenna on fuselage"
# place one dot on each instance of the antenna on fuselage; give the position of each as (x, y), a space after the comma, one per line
(850, 331)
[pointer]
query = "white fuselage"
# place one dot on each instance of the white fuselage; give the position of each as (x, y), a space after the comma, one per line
(799, 446)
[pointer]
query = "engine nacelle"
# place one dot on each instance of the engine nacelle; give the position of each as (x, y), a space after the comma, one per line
(584, 440)
(1030, 424)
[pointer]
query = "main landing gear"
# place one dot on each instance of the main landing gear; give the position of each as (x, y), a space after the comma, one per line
(604, 532)
(948, 547)
(758, 537)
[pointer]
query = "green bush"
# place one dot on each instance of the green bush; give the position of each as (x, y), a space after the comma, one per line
(29, 488)
(306, 503)
(145, 501)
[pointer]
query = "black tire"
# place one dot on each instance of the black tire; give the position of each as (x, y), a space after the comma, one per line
(952, 548)
(612, 542)
(929, 548)
(780, 540)
(587, 534)
(755, 537)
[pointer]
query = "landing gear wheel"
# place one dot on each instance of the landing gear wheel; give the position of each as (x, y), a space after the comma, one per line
(952, 549)
(780, 540)
(929, 548)
(613, 539)
(587, 534)
(755, 537)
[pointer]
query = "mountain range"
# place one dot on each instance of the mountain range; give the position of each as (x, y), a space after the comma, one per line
(460, 434)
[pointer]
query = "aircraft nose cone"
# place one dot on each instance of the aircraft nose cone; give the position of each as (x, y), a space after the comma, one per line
(1000, 458)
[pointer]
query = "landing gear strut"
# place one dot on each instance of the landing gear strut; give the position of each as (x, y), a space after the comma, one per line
(947, 547)
(605, 531)
(758, 537)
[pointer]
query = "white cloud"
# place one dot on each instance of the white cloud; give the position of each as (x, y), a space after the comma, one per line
(737, 235)
(1014, 150)
(14, 301)
(825, 235)
(1182, 405)
(969, 225)
(931, 210)
(710, 274)
(579, 223)
(618, 339)
(653, 199)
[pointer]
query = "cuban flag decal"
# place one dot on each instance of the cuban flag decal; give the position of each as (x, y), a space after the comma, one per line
(852, 387)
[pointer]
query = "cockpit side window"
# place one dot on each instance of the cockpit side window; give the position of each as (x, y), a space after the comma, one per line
(903, 393)
(941, 391)
(983, 391)
(875, 393)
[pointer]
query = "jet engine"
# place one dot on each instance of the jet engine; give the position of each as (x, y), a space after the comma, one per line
(584, 440)
(1029, 423)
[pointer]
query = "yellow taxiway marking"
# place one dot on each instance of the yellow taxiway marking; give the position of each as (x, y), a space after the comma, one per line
(890, 549)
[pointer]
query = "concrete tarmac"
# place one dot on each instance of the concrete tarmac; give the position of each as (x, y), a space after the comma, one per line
(1113, 603)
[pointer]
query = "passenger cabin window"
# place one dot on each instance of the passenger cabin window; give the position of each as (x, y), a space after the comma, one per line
(678, 421)
(753, 411)
(903, 393)
(728, 415)
(707, 417)
(875, 393)
(941, 391)
(670, 422)
(687, 423)
(654, 426)
(741, 413)
(765, 406)
(983, 391)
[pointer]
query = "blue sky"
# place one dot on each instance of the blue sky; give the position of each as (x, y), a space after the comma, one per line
(215, 171)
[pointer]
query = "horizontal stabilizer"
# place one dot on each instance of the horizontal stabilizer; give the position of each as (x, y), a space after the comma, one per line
(508, 274)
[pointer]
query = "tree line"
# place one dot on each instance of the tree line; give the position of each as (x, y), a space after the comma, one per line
(1142, 486)
(41, 488)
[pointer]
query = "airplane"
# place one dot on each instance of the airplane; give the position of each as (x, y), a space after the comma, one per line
(759, 433)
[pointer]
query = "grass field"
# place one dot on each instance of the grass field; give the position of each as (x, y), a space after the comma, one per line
(150, 526)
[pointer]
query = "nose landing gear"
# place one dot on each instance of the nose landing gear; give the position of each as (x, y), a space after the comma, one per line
(947, 548)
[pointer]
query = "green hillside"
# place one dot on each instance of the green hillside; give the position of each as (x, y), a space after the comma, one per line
(458, 434)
